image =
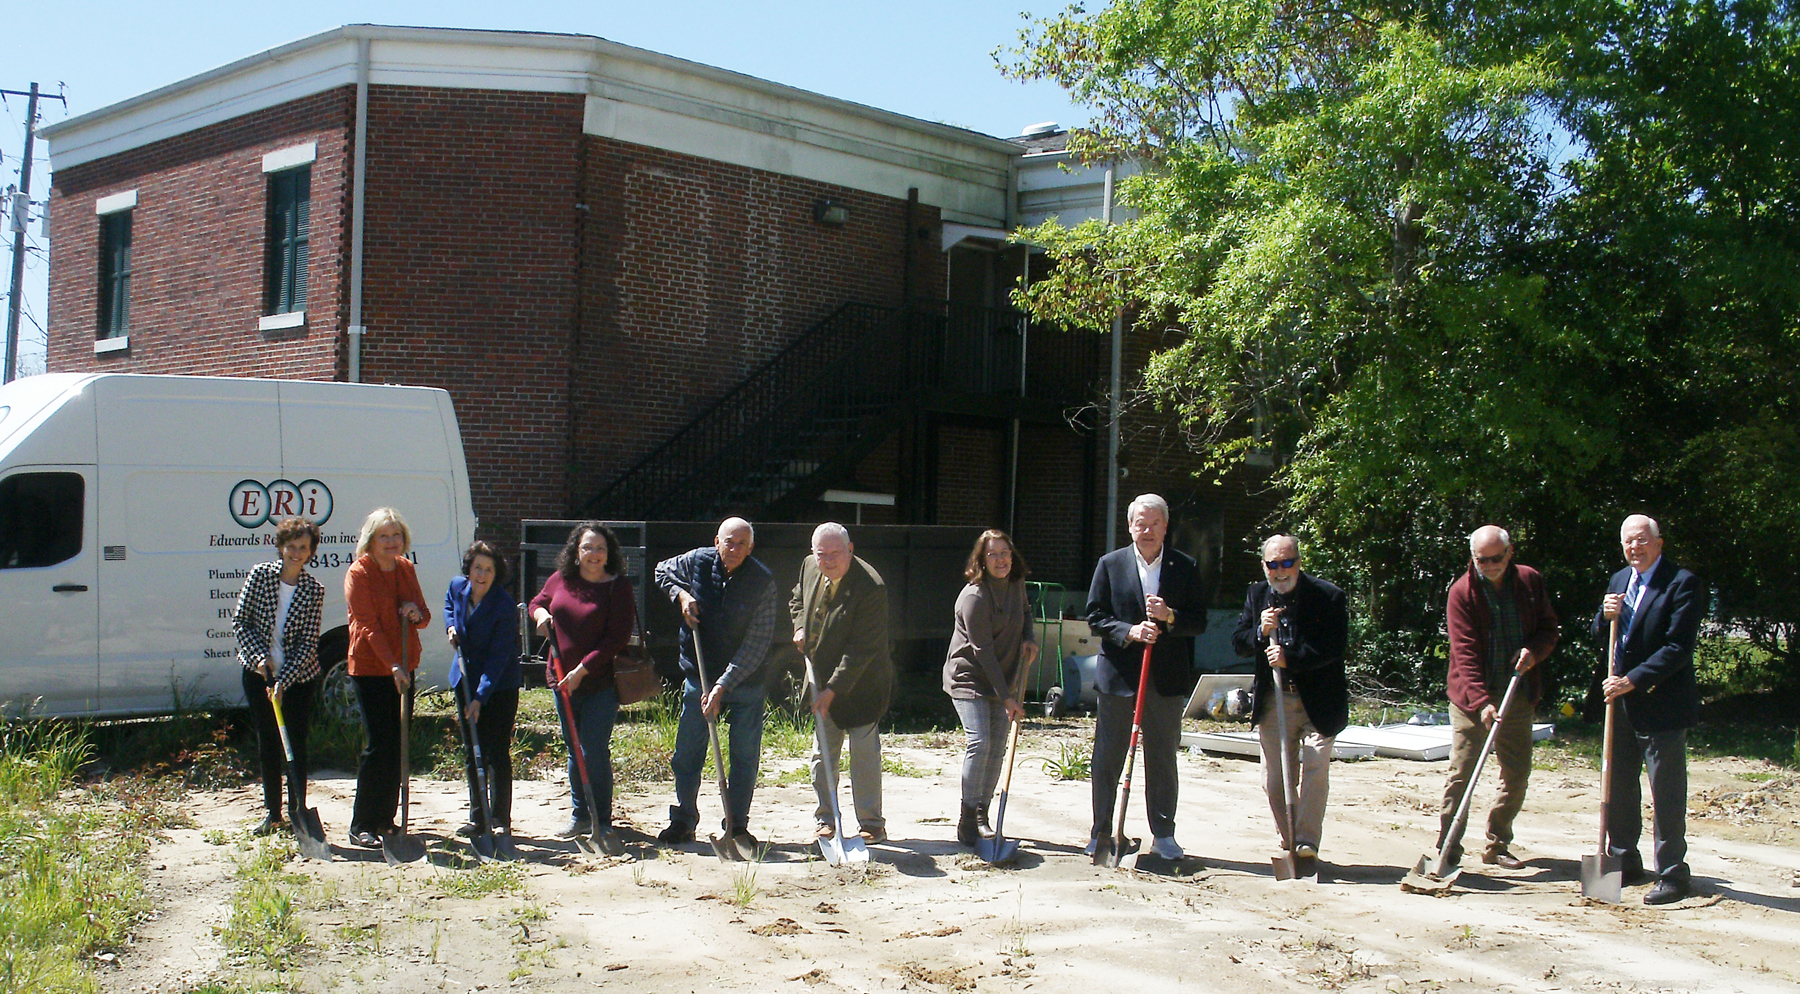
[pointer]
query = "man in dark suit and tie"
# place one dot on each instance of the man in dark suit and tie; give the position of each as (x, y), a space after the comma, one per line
(1658, 606)
(1144, 596)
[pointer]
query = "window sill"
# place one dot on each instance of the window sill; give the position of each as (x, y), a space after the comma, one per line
(280, 322)
(106, 346)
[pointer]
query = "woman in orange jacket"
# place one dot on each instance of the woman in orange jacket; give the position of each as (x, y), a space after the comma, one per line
(387, 609)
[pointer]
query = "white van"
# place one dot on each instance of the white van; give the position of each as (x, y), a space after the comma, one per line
(132, 507)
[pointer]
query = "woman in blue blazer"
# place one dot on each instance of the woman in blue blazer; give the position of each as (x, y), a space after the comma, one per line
(483, 626)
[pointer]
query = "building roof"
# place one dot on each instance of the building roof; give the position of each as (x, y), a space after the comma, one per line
(631, 95)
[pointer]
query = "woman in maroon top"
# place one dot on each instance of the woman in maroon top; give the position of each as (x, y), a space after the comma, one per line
(591, 603)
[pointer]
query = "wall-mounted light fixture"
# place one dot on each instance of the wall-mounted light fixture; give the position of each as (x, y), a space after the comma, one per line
(830, 212)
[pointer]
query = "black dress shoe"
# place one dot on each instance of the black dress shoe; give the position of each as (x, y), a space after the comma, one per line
(1667, 892)
(1631, 870)
(365, 838)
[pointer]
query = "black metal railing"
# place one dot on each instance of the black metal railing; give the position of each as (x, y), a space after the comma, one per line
(820, 399)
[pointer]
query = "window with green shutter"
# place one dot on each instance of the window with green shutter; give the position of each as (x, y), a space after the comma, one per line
(290, 207)
(115, 275)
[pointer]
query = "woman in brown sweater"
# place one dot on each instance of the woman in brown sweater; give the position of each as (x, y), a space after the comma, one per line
(992, 640)
(387, 609)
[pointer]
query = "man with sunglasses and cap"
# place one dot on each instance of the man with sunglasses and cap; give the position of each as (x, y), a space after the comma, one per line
(1296, 625)
(1501, 622)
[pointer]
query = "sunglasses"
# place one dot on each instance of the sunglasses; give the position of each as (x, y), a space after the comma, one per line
(1280, 563)
(1491, 560)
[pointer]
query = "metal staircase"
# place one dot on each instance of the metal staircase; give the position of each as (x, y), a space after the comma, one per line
(816, 409)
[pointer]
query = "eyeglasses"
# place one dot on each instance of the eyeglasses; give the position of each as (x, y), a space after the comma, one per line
(1280, 563)
(998, 554)
(1492, 560)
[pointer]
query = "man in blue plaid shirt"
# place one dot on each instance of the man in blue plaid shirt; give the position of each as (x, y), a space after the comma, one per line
(727, 598)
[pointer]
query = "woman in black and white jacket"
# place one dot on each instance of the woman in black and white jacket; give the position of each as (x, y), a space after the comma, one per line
(277, 627)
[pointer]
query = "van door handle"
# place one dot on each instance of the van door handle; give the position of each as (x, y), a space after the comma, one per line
(70, 588)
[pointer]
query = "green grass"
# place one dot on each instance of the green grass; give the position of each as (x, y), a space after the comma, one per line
(895, 766)
(71, 884)
(263, 929)
(483, 881)
(1073, 762)
(1577, 744)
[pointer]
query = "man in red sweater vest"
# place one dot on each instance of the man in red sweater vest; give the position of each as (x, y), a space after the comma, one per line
(1500, 621)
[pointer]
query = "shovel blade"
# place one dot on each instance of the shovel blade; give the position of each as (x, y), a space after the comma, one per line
(855, 851)
(1284, 866)
(726, 849)
(309, 833)
(504, 848)
(832, 850)
(997, 850)
(1602, 877)
(398, 848)
(587, 845)
(1111, 852)
(485, 847)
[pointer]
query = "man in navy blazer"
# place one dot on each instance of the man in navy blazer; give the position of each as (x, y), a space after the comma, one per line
(1145, 596)
(1658, 606)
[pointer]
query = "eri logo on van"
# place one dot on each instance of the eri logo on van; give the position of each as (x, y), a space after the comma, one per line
(252, 503)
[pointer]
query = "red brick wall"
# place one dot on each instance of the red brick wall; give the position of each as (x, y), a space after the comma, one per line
(972, 471)
(469, 276)
(1051, 480)
(580, 298)
(696, 272)
(197, 249)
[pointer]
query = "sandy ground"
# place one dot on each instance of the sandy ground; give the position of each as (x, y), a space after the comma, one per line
(926, 916)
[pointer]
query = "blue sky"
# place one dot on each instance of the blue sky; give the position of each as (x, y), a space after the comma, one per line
(926, 58)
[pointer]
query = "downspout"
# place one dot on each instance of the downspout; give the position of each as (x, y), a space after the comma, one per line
(1012, 470)
(358, 178)
(1112, 415)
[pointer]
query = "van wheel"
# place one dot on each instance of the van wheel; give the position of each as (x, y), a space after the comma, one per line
(337, 696)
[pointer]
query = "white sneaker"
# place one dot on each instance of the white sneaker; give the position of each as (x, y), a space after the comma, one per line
(1093, 842)
(1166, 847)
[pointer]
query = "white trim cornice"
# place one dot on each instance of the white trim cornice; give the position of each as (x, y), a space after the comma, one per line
(631, 94)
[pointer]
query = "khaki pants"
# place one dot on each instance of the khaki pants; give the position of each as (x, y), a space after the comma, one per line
(1512, 753)
(1311, 752)
(865, 773)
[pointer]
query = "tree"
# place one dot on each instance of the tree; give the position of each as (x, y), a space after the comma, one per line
(1392, 279)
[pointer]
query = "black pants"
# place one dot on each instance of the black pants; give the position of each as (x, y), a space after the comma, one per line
(378, 772)
(296, 708)
(1161, 744)
(1664, 756)
(494, 732)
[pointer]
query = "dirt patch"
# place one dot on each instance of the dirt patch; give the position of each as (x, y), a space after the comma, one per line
(925, 916)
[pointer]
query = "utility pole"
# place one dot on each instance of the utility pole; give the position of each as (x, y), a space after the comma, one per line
(18, 244)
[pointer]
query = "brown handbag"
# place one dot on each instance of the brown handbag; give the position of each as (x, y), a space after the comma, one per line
(634, 672)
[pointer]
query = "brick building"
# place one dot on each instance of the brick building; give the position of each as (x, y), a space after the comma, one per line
(655, 289)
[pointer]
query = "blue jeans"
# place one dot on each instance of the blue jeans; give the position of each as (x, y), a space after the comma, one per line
(743, 708)
(986, 726)
(595, 714)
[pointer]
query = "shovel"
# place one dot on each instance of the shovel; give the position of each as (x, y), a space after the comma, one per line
(1286, 865)
(1437, 871)
(726, 849)
(1000, 849)
(399, 847)
(589, 844)
(1109, 851)
(838, 848)
(485, 842)
(1602, 872)
(309, 832)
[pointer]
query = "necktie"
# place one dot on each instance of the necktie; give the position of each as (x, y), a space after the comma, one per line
(1628, 610)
